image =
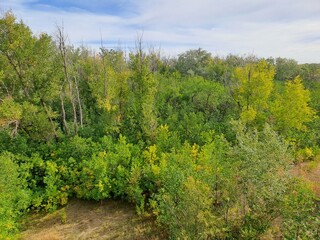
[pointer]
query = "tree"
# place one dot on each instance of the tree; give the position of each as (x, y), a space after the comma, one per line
(144, 87)
(290, 110)
(16, 45)
(28, 64)
(61, 41)
(262, 160)
(14, 197)
(116, 95)
(194, 62)
(252, 88)
(10, 114)
(286, 69)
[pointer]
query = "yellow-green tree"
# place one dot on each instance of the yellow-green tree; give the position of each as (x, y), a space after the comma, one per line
(109, 84)
(252, 88)
(290, 109)
(144, 88)
(27, 74)
(10, 114)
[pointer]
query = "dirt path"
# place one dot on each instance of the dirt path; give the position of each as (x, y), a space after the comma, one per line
(91, 220)
(311, 173)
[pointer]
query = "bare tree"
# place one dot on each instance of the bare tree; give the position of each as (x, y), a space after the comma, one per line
(78, 98)
(103, 55)
(61, 39)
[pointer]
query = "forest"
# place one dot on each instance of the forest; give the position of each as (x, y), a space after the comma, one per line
(205, 144)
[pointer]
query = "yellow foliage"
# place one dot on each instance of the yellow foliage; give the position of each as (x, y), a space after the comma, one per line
(304, 154)
(155, 169)
(100, 186)
(164, 128)
(248, 115)
(107, 105)
(9, 111)
(254, 84)
(150, 154)
(194, 152)
(291, 109)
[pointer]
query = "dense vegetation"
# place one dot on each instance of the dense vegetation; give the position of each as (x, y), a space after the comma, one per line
(203, 143)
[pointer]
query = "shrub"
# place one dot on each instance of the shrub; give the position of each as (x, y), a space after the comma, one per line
(14, 197)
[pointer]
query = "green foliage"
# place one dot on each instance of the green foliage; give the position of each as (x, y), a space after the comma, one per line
(300, 212)
(27, 61)
(159, 133)
(9, 111)
(194, 62)
(144, 86)
(262, 160)
(166, 140)
(10, 115)
(94, 182)
(286, 69)
(35, 123)
(193, 191)
(14, 197)
(78, 148)
(53, 196)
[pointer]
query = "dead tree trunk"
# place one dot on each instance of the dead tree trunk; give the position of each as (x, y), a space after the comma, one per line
(63, 114)
(63, 53)
(79, 101)
(50, 119)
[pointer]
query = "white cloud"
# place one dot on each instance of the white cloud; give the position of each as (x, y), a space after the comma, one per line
(267, 27)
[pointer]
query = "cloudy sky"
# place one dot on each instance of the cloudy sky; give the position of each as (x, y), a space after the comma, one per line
(286, 28)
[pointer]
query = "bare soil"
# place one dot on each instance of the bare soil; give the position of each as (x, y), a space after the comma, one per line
(91, 220)
(310, 172)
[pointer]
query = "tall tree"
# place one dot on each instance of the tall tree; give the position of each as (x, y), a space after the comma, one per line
(290, 108)
(69, 79)
(29, 70)
(194, 62)
(16, 45)
(252, 88)
(144, 87)
(286, 69)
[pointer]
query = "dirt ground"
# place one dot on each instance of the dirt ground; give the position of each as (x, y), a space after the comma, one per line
(309, 171)
(91, 220)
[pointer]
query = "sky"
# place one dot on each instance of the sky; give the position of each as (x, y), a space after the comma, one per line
(265, 28)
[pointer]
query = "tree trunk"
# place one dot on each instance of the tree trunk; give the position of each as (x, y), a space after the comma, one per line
(79, 101)
(50, 119)
(74, 110)
(63, 52)
(63, 116)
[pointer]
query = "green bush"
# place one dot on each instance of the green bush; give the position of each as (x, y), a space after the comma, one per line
(14, 196)
(300, 212)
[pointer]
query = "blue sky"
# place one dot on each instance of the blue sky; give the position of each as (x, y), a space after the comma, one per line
(286, 28)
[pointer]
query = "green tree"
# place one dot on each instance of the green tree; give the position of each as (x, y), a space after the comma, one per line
(300, 212)
(262, 160)
(10, 114)
(14, 197)
(286, 69)
(194, 62)
(144, 88)
(29, 69)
